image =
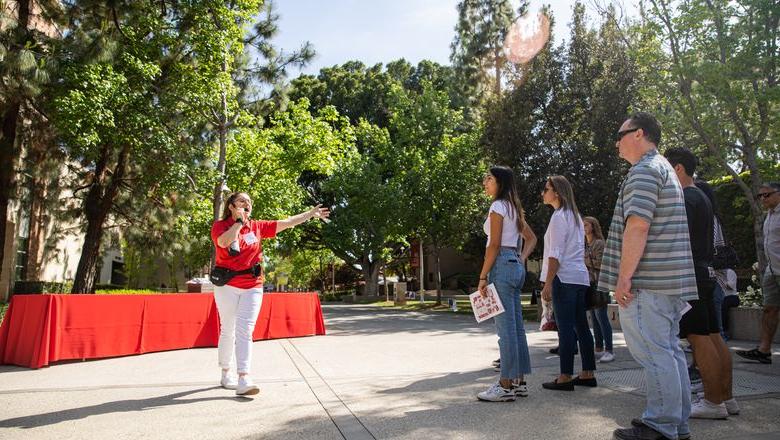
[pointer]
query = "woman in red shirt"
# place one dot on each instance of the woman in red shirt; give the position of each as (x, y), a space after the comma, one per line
(237, 239)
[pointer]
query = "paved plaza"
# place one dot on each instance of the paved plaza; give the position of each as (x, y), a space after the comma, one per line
(378, 374)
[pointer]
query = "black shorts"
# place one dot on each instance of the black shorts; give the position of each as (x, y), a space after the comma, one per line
(701, 318)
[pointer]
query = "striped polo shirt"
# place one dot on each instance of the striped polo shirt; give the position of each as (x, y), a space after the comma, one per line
(652, 192)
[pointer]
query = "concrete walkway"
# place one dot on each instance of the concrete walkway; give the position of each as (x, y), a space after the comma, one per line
(378, 374)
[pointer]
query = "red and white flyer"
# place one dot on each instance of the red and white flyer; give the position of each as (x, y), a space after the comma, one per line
(488, 306)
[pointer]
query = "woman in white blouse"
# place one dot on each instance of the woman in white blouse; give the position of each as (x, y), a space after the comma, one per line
(566, 281)
(510, 242)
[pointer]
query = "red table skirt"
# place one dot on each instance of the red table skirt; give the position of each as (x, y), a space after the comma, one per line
(39, 329)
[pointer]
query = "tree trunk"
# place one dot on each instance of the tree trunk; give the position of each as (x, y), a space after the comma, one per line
(8, 155)
(97, 206)
(36, 232)
(8, 150)
(222, 127)
(371, 276)
(437, 272)
(497, 60)
(86, 272)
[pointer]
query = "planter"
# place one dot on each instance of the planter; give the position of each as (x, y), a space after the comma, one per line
(744, 322)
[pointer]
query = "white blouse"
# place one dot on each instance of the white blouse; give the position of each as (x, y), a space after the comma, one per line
(565, 241)
(509, 232)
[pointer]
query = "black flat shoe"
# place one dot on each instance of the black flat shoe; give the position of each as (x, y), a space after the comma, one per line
(584, 382)
(638, 423)
(557, 349)
(559, 386)
(643, 432)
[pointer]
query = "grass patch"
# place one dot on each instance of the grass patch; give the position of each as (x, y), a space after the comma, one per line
(3, 308)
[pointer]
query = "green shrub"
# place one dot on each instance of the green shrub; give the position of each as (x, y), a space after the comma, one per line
(104, 287)
(32, 287)
(125, 291)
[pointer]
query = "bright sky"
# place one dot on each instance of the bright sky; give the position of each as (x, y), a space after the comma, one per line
(379, 31)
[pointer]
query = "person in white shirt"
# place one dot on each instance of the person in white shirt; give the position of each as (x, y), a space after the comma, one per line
(510, 242)
(566, 281)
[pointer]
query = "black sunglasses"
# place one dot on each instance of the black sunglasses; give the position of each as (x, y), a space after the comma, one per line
(765, 195)
(621, 134)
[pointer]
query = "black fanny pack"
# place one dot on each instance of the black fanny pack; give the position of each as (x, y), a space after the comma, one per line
(220, 276)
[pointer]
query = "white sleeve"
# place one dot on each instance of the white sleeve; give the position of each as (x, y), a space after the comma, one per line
(557, 230)
(499, 207)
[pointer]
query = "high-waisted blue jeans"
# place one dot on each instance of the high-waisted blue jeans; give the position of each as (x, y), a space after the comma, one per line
(508, 275)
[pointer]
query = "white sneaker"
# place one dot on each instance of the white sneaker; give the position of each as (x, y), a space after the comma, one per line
(732, 406)
(497, 393)
(704, 409)
(606, 357)
(229, 381)
(520, 389)
(246, 387)
(697, 387)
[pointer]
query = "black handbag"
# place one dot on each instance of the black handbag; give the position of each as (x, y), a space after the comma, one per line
(594, 298)
(725, 257)
(220, 276)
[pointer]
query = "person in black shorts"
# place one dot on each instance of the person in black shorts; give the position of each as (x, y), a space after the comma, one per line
(699, 325)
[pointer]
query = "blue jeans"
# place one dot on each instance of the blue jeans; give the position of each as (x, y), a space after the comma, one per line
(650, 324)
(602, 329)
(569, 307)
(717, 298)
(508, 275)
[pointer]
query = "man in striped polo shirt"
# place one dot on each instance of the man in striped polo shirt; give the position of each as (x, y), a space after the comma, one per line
(647, 263)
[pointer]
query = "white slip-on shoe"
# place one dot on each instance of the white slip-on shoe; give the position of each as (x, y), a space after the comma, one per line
(606, 357)
(732, 406)
(704, 409)
(229, 381)
(246, 387)
(497, 393)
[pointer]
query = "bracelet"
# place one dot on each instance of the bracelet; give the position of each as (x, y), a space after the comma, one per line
(483, 279)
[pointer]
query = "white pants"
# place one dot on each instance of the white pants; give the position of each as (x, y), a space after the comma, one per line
(238, 310)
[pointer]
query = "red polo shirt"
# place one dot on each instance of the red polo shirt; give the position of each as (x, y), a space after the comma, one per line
(250, 254)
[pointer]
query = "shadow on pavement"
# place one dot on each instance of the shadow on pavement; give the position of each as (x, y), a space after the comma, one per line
(119, 406)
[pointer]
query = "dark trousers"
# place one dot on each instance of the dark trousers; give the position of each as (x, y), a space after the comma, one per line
(569, 308)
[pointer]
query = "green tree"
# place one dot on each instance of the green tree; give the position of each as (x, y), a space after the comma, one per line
(125, 118)
(440, 166)
(27, 32)
(369, 210)
(717, 84)
(561, 119)
(477, 52)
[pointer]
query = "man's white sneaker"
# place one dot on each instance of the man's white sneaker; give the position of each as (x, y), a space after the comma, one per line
(606, 357)
(246, 387)
(697, 387)
(520, 389)
(497, 393)
(732, 406)
(229, 381)
(704, 409)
